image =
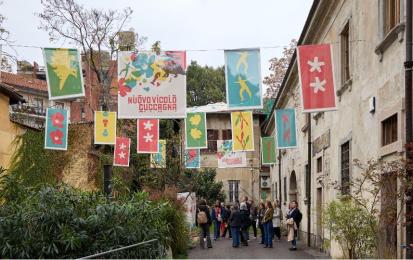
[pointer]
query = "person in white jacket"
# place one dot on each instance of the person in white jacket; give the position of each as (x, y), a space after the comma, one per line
(276, 220)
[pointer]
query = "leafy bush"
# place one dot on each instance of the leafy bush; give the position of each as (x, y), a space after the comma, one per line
(66, 223)
(353, 227)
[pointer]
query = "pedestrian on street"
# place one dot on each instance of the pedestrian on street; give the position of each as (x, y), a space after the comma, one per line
(261, 213)
(235, 220)
(203, 221)
(248, 208)
(253, 217)
(294, 217)
(226, 213)
(217, 219)
(245, 223)
(276, 221)
(267, 222)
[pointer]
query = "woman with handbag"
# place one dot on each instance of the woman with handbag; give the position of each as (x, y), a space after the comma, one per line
(267, 222)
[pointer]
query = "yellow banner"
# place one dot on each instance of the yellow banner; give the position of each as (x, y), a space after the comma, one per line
(158, 160)
(105, 127)
(242, 131)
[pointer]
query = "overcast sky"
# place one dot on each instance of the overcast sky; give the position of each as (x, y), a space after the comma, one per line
(180, 25)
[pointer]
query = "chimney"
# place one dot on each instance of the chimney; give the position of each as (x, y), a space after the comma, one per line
(35, 69)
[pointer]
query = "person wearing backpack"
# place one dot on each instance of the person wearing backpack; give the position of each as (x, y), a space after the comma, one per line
(217, 219)
(294, 217)
(245, 223)
(203, 221)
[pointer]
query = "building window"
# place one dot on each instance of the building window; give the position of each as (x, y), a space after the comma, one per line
(345, 53)
(320, 164)
(345, 168)
(233, 190)
(212, 136)
(391, 15)
(226, 134)
(389, 130)
(38, 102)
(59, 105)
(285, 189)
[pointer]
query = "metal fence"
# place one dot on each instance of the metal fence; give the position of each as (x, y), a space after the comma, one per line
(148, 249)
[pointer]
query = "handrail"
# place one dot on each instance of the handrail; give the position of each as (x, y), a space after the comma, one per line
(118, 249)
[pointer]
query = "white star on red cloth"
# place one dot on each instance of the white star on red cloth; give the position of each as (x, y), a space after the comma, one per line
(122, 146)
(147, 125)
(148, 137)
(317, 85)
(315, 64)
(122, 155)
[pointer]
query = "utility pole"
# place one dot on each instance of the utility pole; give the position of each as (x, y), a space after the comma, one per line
(308, 195)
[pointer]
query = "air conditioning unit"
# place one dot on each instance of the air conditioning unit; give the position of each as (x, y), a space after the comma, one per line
(265, 182)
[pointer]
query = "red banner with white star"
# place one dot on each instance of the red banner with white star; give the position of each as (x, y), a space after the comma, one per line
(148, 135)
(121, 152)
(315, 67)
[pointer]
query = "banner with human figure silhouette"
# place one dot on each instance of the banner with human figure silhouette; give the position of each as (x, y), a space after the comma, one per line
(105, 127)
(286, 128)
(243, 79)
(63, 73)
(152, 85)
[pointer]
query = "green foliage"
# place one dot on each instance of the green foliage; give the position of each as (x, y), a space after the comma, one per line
(353, 227)
(204, 185)
(205, 85)
(66, 223)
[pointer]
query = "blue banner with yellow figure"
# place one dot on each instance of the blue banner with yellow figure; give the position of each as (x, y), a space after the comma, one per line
(243, 79)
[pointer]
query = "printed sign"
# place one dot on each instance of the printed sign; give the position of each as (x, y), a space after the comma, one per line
(268, 150)
(56, 129)
(192, 159)
(286, 128)
(242, 131)
(315, 68)
(196, 133)
(227, 158)
(243, 79)
(148, 135)
(121, 152)
(63, 73)
(105, 127)
(152, 85)
(158, 160)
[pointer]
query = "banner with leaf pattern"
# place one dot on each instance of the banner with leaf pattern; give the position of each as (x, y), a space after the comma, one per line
(242, 131)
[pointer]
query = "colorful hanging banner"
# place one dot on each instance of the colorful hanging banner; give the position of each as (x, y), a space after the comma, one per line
(243, 79)
(196, 133)
(56, 129)
(268, 150)
(152, 85)
(227, 158)
(192, 159)
(315, 67)
(286, 128)
(148, 135)
(63, 73)
(105, 127)
(121, 152)
(242, 131)
(158, 160)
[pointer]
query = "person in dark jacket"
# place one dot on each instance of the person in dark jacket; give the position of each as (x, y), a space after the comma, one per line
(267, 222)
(253, 217)
(225, 219)
(296, 215)
(217, 219)
(245, 223)
(260, 215)
(204, 227)
(235, 221)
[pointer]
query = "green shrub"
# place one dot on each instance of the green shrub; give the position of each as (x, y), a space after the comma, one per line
(66, 223)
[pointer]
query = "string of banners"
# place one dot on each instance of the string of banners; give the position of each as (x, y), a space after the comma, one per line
(152, 86)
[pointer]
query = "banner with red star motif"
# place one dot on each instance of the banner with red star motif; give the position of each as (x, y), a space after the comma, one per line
(121, 152)
(148, 135)
(315, 68)
(56, 129)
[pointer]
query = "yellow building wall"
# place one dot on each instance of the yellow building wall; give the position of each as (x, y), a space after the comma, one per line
(8, 131)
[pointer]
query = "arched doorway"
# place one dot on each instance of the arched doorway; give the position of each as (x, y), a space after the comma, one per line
(292, 193)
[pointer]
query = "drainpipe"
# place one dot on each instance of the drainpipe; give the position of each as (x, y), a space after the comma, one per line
(408, 65)
(309, 183)
(279, 178)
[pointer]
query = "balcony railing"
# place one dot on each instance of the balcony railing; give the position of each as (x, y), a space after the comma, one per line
(30, 116)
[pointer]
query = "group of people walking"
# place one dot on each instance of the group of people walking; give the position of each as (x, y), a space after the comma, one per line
(237, 219)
